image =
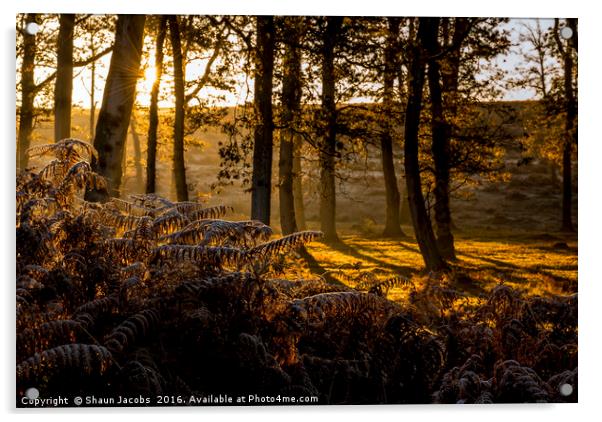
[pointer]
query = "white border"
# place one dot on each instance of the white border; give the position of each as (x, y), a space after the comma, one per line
(590, 212)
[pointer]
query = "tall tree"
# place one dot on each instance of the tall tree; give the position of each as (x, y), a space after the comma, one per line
(264, 127)
(440, 132)
(328, 144)
(153, 119)
(92, 90)
(178, 155)
(420, 219)
(566, 51)
(392, 213)
(291, 106)
(28, 90)
(117, 102)
(298, 185)
(137, 150)
(63, 86)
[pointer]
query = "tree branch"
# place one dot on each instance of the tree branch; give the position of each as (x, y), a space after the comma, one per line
(79, 63)
(203, 81)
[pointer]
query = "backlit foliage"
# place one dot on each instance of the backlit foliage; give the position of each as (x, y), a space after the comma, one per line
(147, 296)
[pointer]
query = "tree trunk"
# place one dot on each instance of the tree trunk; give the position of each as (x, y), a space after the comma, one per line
(153, 119)
(440, 132)
(422, 224)
(392, 222)
(137, 152)
(92, 88)
(569, 129)
(404, 215)
(178, 152)
(118, 99)
(63, 86)
(291, 105)
(298, 185)
(328, 147)
(264, 126)
(27, 93)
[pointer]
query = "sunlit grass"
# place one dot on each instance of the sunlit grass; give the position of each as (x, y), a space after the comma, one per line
(536, 268)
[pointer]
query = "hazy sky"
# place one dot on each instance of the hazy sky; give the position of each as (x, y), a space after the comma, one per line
(511, 60)
(81, 85)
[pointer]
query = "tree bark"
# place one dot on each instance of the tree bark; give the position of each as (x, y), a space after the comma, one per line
(92, 101)
(421, 222)
(63, 85)
(328, 147)
(118, 99)
(569, 129)
(440, 132)
(179, 166)
(298, 186)
(291, 105)
(264, 127)
(153, 119)
(27, 93)
(137, 151)
(392, 220)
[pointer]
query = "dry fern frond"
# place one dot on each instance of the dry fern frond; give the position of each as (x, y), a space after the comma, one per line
(464, 384)
(130, 208)
(96, 307)
(80, 176)
(151, 200)
(143, 231)
(129, 249)
(208, 255)
(47, 335)
(170, 222)
(217, 211)
(341, 305)
(120, 221)
(55, 171)
(132, 330)
(518, 384)
(28, 283)
(143, 379)
(220, 232)
(88, 359)
(284, 244)
(69, 149)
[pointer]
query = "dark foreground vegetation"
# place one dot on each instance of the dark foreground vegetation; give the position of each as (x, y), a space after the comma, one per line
(148, 297)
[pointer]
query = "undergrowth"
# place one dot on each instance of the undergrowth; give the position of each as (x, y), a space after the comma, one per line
(147, 296)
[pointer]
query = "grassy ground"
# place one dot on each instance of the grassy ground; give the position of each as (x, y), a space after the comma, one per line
(536, 265)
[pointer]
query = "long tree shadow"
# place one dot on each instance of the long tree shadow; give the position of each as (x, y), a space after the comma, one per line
(347, 249)
(315, 267)
(503, 264)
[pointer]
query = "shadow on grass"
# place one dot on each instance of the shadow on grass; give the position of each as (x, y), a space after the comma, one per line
(315, 267)
(347, 249)
(503, 265)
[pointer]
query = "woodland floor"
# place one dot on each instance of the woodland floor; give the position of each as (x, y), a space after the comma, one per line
(536, 265)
